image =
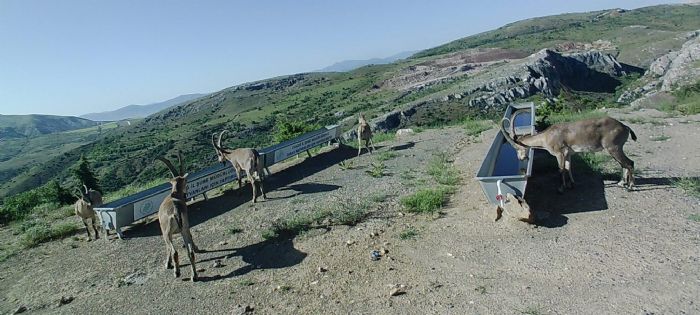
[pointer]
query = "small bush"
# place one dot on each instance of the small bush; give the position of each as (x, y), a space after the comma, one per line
(409, 233)
(286, 130)
(691, 185)
(427, 200)
(475, 127)
(443, 171)
(43, 232)
(377, 170)
(383, 136)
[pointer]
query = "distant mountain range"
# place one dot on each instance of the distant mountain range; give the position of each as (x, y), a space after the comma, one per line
(348, 65)
(140, 111)
(20, 126)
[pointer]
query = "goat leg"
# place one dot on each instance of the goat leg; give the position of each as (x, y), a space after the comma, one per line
(87, 230)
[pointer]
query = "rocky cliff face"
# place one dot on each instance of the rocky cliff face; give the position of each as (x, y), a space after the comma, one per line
(672, 70)
(546, 72)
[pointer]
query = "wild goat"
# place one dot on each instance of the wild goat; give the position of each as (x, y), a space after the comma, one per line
(84, 208)
(173, 218)
(364, 132)
(565, 139)
(246, 159)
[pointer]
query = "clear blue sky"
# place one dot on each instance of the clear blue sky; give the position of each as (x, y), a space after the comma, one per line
(75, 57)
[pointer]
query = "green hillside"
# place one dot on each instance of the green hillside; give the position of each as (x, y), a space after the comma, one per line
(18, 126)
(125, 155)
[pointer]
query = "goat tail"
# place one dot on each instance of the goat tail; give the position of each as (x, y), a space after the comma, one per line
(634, 137)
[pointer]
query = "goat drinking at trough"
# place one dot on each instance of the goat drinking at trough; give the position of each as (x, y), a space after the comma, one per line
(84, 208)
(247, 159)
(364, 132)
(173, 218)
(565, 139)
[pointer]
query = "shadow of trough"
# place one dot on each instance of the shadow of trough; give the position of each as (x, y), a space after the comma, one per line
(549, 206)
(202, 211)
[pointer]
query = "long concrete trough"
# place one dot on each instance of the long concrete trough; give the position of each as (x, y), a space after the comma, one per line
(501, 171)
(120, 213)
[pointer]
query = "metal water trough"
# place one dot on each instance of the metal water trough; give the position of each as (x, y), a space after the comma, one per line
(125, 211)
(501, 171)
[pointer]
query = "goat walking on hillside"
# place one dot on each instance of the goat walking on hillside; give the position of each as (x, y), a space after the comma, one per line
(563, 140)
(246, 159)
(84, 208)
(173, 218)
(364, 132)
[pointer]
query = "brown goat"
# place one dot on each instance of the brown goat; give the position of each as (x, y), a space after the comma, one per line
(565, 139)
(247, 159)
(173, 218)
(364, 132)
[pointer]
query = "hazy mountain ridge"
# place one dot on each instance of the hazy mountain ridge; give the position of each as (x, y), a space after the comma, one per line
(140, 111)
(348, 65)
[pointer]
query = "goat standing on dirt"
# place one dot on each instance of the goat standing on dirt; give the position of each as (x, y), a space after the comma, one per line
(364, 132)
(565, 139)
(247, 159)
(173, 217)
(84, 208)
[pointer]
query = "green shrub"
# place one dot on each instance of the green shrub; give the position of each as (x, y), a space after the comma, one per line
(43, 232)
(442, 170)
(427, 200)
(285, 130)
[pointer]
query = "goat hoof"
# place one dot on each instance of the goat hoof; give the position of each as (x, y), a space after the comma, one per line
(177, 274)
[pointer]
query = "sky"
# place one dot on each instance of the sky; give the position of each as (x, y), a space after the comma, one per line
(76, 57)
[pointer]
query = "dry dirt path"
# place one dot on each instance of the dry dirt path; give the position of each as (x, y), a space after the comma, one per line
(597, 249)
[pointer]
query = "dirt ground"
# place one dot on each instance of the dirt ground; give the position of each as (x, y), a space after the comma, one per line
(597, 249)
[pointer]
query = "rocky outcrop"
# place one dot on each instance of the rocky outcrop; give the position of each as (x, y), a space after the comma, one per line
(672, 70)
(679, 68)
(545, 72)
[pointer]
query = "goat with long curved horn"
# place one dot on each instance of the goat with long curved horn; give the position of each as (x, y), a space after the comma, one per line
(565, 139)
(173, 217)
(246, 159)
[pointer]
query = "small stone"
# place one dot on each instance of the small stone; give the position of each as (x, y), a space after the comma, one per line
(314, 282)
(217, 264)
(373, 234)
(350, 242)
(222, 243)
(240, 309)
(383, 251)
(20, 310)
(65, 300)
(322, 269)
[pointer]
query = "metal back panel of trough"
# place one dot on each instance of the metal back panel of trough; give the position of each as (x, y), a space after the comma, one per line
(501, 161)
(124, 211)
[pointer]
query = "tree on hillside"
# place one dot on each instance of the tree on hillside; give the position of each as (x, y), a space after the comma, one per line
(85, 176)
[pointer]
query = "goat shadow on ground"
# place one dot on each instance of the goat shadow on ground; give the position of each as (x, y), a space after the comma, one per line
(203, 210)
(269, 254)
(549, 206)
(405, 146)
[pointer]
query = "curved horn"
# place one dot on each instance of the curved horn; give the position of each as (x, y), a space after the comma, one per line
(221, 134)
(182, 165)
(213, 142)
(169, 165)
(79, 195)
(87, 191)
(506, 134)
